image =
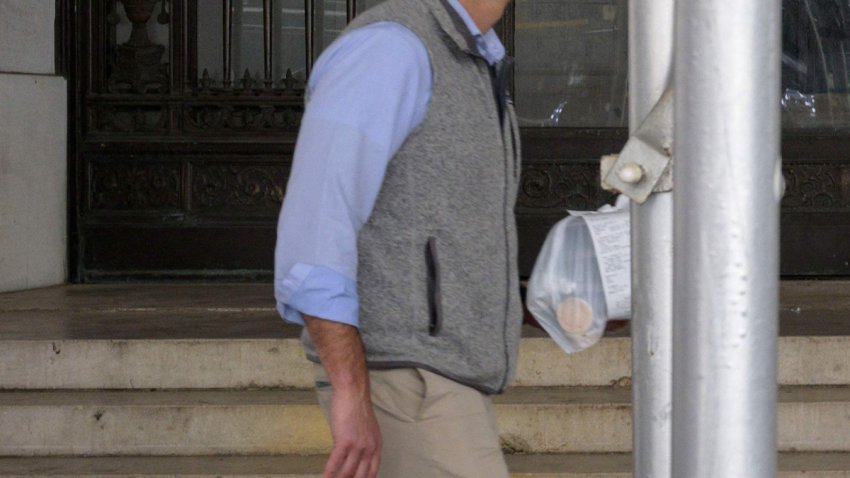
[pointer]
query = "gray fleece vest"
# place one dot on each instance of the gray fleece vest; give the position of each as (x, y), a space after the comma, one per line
(437, 279)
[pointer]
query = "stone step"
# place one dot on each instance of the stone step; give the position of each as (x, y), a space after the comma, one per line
(791, 465)
(532, 420)
(229, 336)
(280, 363)
(251, 363)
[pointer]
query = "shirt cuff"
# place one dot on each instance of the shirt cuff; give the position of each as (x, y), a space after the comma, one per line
(317, 291)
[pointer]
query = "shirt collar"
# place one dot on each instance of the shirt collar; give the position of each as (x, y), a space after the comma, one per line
(488, 44)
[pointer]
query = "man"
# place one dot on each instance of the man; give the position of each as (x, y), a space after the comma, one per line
(397, 243)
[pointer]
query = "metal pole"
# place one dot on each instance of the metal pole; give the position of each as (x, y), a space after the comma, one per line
(268, 54)
(227, 36)
(726, 230)
(650, 70)
(350, 10)
(309, 44)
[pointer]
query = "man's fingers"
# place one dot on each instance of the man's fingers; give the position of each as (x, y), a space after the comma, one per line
(335, 462)
(350, 465)
(363, 468)
(369, 461)
(352, 462)
(374, 463)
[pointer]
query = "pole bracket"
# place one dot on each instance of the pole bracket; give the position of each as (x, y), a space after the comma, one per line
(645, 165)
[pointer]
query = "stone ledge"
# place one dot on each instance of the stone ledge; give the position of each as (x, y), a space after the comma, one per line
(531, 420)
(27, 36)
(590, 465)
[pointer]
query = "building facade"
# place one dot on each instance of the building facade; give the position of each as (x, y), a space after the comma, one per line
(182, 116)
(33, 147)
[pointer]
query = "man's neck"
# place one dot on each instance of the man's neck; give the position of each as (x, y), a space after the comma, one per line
(485, 13)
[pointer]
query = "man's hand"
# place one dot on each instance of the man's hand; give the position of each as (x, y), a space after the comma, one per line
(356, 437)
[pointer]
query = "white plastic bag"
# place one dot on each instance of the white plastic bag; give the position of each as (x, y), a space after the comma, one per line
(567, 289)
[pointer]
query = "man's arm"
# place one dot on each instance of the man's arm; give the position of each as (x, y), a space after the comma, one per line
(367, 92)
(356, 437)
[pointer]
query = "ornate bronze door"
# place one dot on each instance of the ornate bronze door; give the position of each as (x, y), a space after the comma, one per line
(184, 115)
(179, 168)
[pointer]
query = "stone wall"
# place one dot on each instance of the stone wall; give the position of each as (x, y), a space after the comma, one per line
(33, 154)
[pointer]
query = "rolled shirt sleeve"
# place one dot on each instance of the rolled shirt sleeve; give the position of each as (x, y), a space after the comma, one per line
(319, 292)
(367, 92)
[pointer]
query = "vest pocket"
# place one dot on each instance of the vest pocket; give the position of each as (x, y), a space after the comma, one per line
(435, 302)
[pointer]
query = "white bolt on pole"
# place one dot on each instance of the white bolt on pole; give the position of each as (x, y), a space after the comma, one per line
(728, 185)
(650, 71)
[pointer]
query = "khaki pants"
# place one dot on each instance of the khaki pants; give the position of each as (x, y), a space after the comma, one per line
(431, 427)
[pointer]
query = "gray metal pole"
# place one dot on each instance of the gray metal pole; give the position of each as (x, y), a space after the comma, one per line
(726, 230)
(650, 70)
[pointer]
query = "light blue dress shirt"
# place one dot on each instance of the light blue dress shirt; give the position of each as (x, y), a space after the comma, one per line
(367, 92)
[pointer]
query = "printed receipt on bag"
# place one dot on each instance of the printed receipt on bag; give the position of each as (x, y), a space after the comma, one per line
(609, 230)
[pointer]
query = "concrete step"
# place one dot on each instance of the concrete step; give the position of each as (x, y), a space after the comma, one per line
(280, 363)
(532, 420)
(252, 363)
(791, 465)
(226, 336)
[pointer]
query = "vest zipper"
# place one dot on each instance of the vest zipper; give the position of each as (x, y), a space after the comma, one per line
(509, 173)
(497, 76)
(517, 160)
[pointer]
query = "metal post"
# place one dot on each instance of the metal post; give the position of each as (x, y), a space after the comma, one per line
(650, 70)
(309, 44)
(350, 10)
(227, 36)
(726, 230)
(268, 54)
(318, 28)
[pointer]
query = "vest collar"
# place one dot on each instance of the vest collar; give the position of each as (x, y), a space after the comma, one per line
(452, 24)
